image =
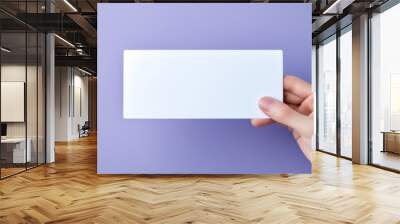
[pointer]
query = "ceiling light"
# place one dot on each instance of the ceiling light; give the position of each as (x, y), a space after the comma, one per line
(84, 71)
(65, 41)
(329, 9)
(79, 51)
(70, 5)
(338, 6)
(5, 50)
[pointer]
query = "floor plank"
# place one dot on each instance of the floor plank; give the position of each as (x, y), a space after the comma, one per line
(70, 191)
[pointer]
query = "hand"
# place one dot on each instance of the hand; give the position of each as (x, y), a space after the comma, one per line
(296, 112)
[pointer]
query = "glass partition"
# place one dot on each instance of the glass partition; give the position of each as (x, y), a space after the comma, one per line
(31, 99)
(327, 95)
(13, 110)
(22, 101)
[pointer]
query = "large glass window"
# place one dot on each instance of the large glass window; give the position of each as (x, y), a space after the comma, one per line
(385, 89)
(346, 93)
(327, 95)
(333, 137)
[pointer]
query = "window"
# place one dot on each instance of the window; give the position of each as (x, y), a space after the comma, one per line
(385, 89)
(346, 92)
(327, 96)
(333, 137)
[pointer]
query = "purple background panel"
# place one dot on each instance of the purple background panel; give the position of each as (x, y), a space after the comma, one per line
(196, 146)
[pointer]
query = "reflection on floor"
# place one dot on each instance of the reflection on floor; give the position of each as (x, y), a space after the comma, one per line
(11, 169)
(70, 191)
(386, 159)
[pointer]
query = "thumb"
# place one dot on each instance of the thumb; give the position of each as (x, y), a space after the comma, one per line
(285, 115)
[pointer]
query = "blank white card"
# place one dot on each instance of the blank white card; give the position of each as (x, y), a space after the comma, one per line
(200, 84)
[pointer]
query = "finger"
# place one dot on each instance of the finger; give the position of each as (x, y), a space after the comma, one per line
(296, 135)
(307, 106)
(294, 107)
(284, 114)
(261, 122)
(292, 98)
(305, 146)
(297, 86)
(267, 121)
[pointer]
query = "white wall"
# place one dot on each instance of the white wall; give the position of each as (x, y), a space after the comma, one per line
(62, 82)
(71, 102)
(16, 72)
(10, 73)
(34, 126)
(80, 110)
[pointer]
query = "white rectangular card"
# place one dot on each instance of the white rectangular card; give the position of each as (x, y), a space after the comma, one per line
(200, 84)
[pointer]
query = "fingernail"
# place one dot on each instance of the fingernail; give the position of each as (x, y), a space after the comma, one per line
(266, 102)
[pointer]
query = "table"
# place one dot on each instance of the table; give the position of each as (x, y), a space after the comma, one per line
(13, 150)
(391, 141)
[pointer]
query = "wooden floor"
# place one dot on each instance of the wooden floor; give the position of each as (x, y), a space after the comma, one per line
(5, 172)
(70, 191)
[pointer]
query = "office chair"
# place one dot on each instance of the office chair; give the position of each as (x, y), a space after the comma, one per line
(84, 130)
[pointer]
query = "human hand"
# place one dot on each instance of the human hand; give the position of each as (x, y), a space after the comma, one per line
(296, 112)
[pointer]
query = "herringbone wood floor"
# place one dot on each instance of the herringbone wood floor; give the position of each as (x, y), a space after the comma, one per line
(70, 191)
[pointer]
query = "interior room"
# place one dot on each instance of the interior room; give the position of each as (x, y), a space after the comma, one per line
(50, 127)
(22, 101)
